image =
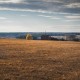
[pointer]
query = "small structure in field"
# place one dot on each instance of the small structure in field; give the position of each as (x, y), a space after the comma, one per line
(29, 37)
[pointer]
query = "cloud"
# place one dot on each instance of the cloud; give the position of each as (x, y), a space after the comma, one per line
(50, 17)
(10, 1)
(73, 5)
(29, 10)
(43, 6)
(3, 18)
(73, 17)
(45, 16)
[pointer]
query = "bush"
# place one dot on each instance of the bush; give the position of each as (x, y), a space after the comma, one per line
(29, 37)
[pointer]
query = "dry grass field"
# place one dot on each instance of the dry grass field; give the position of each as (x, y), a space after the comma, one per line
(39, 60)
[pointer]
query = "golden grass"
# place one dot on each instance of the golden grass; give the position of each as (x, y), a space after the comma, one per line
(39, 60)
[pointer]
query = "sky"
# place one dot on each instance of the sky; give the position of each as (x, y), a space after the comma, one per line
(39, 15)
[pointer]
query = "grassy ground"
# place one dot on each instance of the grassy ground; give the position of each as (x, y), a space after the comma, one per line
(39, 60)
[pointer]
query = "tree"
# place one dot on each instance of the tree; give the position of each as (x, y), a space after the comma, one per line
(29, 37)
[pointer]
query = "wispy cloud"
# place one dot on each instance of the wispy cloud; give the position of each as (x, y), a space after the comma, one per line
(29, 10)
(56, 1)
(73, 17)
(48, 6)
(3, 18)
(11, 1)
(73, 5)
(50, 17)
(45, 16)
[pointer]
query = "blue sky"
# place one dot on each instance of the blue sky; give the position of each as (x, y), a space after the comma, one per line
(39, 15)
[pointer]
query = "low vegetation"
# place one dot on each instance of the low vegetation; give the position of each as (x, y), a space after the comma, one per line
(39, 60)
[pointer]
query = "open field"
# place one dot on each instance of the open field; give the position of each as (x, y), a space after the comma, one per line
(39, 60)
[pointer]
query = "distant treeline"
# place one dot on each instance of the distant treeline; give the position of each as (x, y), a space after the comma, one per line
(37, 35)
(48, 37)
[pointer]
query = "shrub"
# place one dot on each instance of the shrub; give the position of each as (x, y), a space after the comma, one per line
(29, 37)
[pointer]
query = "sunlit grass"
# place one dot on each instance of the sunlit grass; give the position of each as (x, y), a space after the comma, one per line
(39, 60)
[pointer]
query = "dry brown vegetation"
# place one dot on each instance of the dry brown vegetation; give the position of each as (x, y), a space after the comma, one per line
(39, 60)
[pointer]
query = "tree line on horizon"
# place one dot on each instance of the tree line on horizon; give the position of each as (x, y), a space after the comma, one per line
(47, 37)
